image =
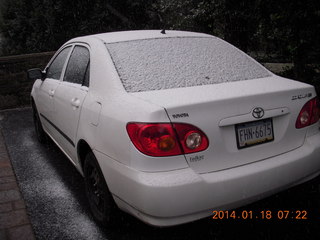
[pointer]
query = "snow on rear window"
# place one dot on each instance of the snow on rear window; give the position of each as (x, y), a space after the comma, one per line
(155, 64)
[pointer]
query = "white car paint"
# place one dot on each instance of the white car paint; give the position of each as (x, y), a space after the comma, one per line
(165, 191)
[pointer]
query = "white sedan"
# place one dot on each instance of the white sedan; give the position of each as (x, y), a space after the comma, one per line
(169, 126)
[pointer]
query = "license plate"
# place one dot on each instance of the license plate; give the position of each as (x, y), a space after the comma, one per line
(254, 133)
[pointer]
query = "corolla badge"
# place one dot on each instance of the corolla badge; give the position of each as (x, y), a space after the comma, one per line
(258, 112)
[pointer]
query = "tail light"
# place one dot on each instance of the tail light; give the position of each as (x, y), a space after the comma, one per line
(166, 139)
(309, 114)
(191, 138)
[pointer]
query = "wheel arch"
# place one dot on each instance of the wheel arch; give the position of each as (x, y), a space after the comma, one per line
(83, 148)
(32, 102)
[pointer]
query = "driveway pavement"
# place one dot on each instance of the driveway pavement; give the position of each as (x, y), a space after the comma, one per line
(55, 201)
(14, 221)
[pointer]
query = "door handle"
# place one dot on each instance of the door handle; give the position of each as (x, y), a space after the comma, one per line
(75, 102)
(51, 93)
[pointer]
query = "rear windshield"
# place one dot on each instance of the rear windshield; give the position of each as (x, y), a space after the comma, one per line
(155, 64)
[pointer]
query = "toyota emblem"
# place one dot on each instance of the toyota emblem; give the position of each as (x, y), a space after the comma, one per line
(258, 112)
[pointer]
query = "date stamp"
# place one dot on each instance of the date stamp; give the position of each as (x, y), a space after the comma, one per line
(260, 215)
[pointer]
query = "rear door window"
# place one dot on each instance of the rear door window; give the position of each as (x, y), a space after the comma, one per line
(55, 69)
(78, 66)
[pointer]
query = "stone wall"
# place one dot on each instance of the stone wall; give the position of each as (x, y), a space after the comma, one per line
(14, 86)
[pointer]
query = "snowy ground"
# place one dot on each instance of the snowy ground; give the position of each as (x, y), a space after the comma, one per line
(56, 202)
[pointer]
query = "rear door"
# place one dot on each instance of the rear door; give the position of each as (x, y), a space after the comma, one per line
(45, 98)
(69, 97)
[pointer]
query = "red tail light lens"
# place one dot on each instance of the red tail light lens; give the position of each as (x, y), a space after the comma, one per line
(191, 138)
(154, 139)
(309, 114)
(166, 139)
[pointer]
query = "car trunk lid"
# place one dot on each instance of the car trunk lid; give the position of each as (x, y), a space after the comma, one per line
(225, 111)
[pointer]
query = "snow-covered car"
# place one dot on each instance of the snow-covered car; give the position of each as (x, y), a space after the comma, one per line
(169, 126)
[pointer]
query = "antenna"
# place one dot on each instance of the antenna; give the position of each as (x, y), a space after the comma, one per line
(163, 31)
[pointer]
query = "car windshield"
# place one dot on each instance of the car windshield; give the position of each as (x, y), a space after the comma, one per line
(164, 63)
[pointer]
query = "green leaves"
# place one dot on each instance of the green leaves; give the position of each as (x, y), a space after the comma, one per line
(285, 30)
(44, 25)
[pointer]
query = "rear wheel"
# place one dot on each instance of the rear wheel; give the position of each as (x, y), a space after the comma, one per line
(102, 205)
(41, 134)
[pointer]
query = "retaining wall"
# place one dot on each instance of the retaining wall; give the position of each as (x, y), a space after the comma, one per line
(14, 85)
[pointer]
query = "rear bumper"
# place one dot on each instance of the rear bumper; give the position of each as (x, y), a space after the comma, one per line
(175, 197)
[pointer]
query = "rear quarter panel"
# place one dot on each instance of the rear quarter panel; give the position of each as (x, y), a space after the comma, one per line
(109, 136)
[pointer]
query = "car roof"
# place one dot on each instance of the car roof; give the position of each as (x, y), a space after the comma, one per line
(122, 36)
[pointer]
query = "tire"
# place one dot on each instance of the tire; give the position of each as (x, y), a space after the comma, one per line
(102, 206)
(41, 134)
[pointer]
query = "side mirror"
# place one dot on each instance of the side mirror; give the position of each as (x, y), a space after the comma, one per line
(35, 73)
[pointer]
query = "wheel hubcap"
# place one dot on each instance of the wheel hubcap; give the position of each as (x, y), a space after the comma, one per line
(95, 188)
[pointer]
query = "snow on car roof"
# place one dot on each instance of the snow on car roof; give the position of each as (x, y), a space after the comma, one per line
(121, 36)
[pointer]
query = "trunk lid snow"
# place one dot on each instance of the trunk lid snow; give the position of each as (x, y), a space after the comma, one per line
(221, 109)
